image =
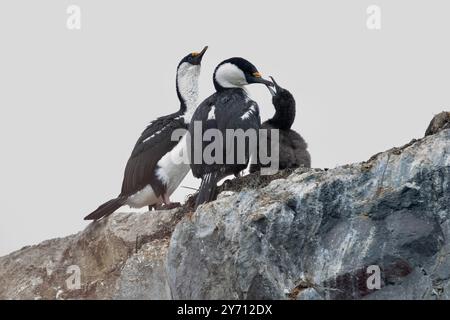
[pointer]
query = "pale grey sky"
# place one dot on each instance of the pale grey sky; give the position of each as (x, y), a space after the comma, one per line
(73, 103)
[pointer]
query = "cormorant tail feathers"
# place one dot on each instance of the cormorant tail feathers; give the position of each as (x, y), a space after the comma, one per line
(207, 190)
(106, 209)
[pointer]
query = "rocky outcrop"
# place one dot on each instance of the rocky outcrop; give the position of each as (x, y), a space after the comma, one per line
(373, 230)
(439, 123)
(119, 257)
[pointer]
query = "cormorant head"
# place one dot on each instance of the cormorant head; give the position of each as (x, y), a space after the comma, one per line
(236, 73)
(279, 94)
(188, 73)
(284, 104)
(194, 58)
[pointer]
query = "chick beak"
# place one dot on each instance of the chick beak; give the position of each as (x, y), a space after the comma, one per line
(273, 91)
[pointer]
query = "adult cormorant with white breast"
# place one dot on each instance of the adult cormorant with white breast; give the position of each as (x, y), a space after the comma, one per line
(229, 108)
(150, 175)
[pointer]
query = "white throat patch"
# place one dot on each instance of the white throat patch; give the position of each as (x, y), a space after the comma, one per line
(187, 80)
(229, 75)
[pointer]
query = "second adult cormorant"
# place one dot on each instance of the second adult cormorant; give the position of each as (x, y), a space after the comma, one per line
(228, 109)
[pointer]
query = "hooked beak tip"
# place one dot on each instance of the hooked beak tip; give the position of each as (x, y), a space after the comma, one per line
(259, 79)
(275, 84)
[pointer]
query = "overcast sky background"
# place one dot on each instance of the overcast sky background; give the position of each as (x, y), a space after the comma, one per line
(73, 103)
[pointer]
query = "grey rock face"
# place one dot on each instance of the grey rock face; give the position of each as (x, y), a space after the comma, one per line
(314, 235)
(308, 234)
(120, 257)
(440, 122)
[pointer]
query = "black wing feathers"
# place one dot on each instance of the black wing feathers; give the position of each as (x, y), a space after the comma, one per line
(152, 145)
(232, 110)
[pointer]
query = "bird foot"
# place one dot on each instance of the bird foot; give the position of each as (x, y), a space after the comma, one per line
(168, 206)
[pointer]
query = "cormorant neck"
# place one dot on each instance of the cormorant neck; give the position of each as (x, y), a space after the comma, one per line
(284, 114)
(187, 86)
(183, 106)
